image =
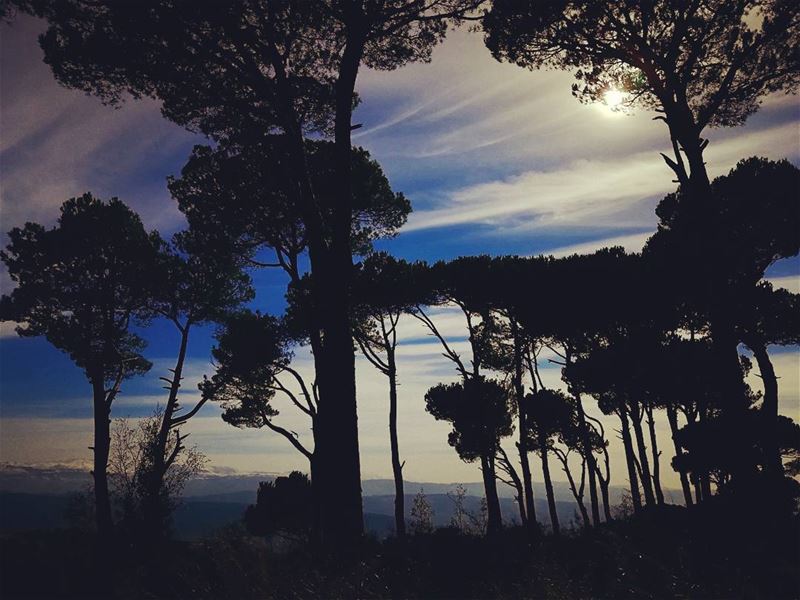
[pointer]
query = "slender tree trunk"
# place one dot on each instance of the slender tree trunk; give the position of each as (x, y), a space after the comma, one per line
(651, 427)
(548, 486)
(698, 489)
(102, 446)
(647, 480)
(495, 519)
(636, 497)
(516, 482)
(769, 408)
(575, 493)
(590, 459)
(152, 505)
(672, 417)
(397, 467)
(606, 499)
(527, 483)
(522, 444)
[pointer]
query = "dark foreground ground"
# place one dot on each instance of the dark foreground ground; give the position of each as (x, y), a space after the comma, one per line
(670, 553)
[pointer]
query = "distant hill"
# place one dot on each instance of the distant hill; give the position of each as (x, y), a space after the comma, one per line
(238, 487)
(37, 498)
(201, 516)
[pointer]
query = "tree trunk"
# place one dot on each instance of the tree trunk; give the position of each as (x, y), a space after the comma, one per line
(102, 446)
(698, 489)
(397, 467)
(769, 408)
(647, 481)
(636, 497)
(577, 495)
(153, 509)
(606, 500)
(651, 427)
(703, 477)
(548, 486)
(495, 518)
(724, 341)
(516, 482)
(672, 417)
(522, 445)
(590, 459)
(339, 469)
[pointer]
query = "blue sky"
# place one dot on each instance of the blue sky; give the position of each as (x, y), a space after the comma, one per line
(494, 158)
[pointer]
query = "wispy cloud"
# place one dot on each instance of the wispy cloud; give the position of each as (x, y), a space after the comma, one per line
(614, 193)
(58, 143)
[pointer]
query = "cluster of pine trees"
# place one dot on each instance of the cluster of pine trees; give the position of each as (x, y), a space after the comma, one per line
(272, 85)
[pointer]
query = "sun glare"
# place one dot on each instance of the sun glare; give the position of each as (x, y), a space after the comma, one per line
(613, 98)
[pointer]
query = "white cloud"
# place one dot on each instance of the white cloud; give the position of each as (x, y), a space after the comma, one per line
(513, 151)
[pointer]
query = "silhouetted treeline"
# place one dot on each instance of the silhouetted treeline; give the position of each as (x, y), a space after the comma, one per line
(648, 336)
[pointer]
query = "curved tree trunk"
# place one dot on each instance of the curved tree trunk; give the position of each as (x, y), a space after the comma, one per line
(578, 495)
(630, 462)
(397, 467)
(548, 486)
(522, 444)
(153, 510)
(651, 427)
(591, 461)
(769, 408)
(647, 480)
(606, 500)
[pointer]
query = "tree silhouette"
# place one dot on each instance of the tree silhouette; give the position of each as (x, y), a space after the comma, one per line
(252, 352)
(421, 515)
(237, 197)
(192, 286)
(383, 289)
(512, 351)
(480, 413)
(747, 242)
(283, 67)
(283, 507)
(573, 325)
(614, 375)
(699, 64)
(548, 413)
(130, 470)
(81, 284)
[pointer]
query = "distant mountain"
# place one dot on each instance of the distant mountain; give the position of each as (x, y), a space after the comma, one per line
(198, 517)
(444, 507)
(242, 487)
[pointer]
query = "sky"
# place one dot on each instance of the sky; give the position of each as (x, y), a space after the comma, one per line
(494, 158)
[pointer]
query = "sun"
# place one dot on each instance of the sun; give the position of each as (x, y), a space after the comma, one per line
(614, 99)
